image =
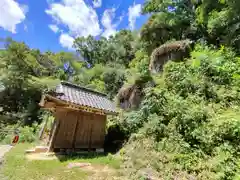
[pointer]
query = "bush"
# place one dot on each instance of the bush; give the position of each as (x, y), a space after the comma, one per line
(223, 128)
(26, 134)
(188, 124)
(209, 73)
(115, 137)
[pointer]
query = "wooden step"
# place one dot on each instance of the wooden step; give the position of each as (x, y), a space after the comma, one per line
(38, 149)
(29, 151)
(41, 149)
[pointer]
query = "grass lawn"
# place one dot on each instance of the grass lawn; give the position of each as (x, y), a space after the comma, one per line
(17, 167)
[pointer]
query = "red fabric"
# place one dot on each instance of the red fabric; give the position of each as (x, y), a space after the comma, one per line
(15, 140)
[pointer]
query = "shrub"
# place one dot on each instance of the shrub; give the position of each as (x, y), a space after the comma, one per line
(209, 73)
(26, 133)
(221, 129)
(188, 124)
(115, 137)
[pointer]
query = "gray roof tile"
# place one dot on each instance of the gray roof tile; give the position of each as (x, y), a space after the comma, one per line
(83, 96)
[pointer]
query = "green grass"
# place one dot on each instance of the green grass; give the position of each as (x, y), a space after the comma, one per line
(17, 167)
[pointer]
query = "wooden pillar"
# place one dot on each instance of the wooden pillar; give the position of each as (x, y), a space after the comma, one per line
(75, 131)
(54, 133)
(43, 128)
(51, 132)
(54, 130)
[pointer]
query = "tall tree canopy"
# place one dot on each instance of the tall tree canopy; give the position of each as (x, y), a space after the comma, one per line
(117, 49)
(215, 21)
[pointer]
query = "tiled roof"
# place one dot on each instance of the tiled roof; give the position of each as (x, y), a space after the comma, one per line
(85, 97)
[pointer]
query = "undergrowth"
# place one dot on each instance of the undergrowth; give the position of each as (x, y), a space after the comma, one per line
(188, 126)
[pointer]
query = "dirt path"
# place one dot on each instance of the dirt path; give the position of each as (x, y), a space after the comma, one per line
(3, 150)
(97, 172)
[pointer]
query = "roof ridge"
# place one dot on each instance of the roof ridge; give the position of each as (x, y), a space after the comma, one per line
(83, 88)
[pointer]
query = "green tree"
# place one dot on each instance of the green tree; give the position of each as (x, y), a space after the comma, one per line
(215, 21)
(16, 69)
(171, 20)
(119, 49)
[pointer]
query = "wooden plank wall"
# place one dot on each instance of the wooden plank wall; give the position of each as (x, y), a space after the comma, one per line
(83, 131)
(98, 130)
(80, 130)
(65, 135)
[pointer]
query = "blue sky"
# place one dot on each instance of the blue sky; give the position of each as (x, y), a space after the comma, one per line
(53, 24)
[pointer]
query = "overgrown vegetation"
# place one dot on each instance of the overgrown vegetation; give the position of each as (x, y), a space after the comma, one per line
(182, 122)
(190, 121)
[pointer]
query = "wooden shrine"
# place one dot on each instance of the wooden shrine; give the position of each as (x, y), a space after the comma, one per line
(80, 117)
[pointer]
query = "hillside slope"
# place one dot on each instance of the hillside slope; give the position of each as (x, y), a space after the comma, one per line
(187, 126)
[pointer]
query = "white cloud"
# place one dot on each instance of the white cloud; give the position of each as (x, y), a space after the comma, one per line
(11, 14)
(121, 18)
(54, 28)
(24, 8)
(107, 18)
(25, 27)
(133, 13)
(77, 16)
(97, 3)
(66, 41)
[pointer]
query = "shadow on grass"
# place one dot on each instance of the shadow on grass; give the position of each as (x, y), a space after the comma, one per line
(83, 156)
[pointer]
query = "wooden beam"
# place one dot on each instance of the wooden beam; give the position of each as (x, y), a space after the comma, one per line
(49, 105)
(51, 131)
(55, 131)
(43, 128)
(42, 101)
(79, 109)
